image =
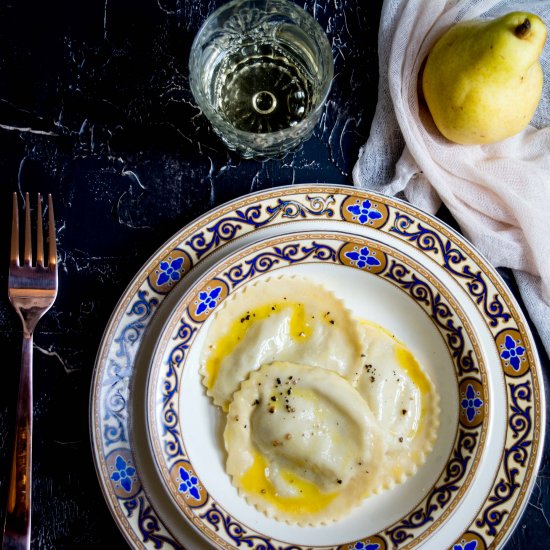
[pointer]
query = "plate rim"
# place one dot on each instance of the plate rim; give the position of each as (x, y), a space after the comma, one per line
(336, 235)
(300, 189)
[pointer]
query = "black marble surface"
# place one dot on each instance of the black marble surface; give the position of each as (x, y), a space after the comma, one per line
(95, 108)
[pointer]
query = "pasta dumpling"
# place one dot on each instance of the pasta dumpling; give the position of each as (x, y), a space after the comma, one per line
(323, 409)
(302, 444)
(403, 400)
(284, 319)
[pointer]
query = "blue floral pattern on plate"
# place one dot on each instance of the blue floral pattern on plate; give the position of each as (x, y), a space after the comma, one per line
(472, 545)
(364, 213)
(363, 546)
(513, 352)
(188, 484)
(170, 271)
(363, 258)
(208, 299)
(123, 474)
(471, 403)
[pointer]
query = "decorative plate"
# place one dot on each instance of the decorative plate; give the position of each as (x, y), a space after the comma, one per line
(484, 464)
(417, 303)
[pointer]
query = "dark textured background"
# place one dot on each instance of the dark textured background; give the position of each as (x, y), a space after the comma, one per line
(95, 108)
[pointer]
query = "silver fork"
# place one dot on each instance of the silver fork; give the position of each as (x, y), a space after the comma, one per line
(32, 291)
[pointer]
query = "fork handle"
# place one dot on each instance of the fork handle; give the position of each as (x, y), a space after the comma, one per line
(17, 528)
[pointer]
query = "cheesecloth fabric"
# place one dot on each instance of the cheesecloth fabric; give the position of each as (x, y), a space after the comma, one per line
(498, 193)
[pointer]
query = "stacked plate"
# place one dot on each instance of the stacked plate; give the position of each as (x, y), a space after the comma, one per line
(157, 436)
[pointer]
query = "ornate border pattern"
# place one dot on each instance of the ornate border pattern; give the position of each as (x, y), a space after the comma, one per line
(228, 227)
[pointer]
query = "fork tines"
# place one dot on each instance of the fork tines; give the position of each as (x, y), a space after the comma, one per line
(27, 258)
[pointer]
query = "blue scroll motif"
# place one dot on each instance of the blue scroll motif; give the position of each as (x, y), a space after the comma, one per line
(439, 312)
(216, 518)
(429, 241)
(441, 495)
(184, 336)
(518, 454)
(226, 228)
(119, 371)
(173, 446)
(291, 253)
(148, 523)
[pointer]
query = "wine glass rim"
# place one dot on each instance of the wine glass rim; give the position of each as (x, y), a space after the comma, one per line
(220, 123)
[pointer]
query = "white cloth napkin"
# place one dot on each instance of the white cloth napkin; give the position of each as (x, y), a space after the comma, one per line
(498, 193)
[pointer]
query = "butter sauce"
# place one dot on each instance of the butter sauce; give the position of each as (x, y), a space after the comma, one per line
(300, 331)
(308, 497)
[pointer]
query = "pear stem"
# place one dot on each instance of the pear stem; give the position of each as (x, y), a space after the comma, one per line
(521, 31)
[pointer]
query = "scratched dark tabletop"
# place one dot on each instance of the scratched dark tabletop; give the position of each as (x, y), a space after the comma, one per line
(95, 108)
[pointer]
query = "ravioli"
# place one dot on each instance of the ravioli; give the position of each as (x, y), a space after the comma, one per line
(278, 319)
(302, 444)
(323, 410)
(402, 398)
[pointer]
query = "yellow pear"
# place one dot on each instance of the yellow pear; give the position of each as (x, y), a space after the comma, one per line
(482, 80)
